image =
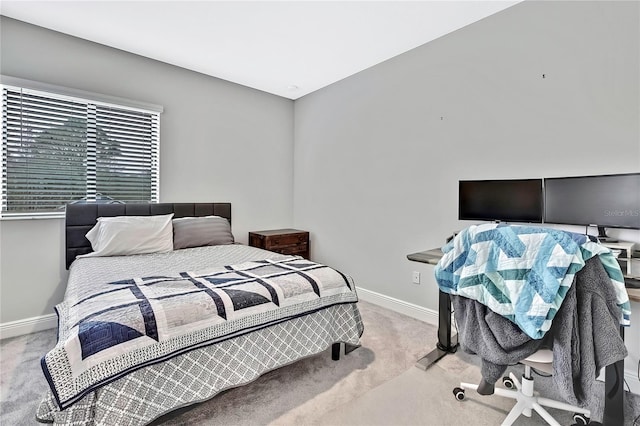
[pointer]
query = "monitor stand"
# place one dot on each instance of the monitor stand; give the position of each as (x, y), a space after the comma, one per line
(602, 236)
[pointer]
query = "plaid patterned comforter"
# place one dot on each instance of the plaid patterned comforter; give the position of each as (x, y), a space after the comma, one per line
(109, 329)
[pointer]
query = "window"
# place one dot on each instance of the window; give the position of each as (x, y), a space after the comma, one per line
(59, 149)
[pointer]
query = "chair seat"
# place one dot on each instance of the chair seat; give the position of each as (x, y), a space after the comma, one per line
(543, 356)
(541, 360)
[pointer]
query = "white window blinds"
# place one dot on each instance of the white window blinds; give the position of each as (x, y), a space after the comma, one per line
(58, 150)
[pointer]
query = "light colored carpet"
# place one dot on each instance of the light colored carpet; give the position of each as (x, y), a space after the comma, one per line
(421, 398)
(417, 397)
(376, 384)
(390, 345)
(299, 393)
(22, 383)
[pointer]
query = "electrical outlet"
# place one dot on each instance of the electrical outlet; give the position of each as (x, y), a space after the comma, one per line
(416, 277)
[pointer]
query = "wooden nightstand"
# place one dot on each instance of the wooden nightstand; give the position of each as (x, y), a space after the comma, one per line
(285, 241)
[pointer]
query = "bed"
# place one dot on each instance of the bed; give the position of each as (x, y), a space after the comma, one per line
(141, 335)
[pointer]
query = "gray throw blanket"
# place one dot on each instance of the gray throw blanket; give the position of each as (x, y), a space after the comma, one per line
(585, 335)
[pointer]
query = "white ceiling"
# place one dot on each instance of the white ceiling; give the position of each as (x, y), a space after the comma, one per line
(288, 48)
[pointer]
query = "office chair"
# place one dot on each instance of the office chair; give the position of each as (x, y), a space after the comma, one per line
(527, 398)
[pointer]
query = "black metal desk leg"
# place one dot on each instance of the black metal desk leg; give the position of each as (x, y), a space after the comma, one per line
(613, 395)
(444, 344)
(444, 322)
(614, 392)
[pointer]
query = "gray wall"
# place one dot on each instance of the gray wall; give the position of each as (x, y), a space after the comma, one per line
(378, 155)
(219, 142)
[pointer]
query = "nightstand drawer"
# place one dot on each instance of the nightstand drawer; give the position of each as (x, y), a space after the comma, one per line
(300, 249)
(287, 240)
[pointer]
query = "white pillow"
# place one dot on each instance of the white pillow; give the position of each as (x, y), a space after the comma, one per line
(124, 235)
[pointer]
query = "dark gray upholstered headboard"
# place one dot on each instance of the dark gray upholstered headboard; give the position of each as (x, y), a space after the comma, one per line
(80, 218)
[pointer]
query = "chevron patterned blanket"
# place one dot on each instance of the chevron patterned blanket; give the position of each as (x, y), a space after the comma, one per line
(118, 326)
(522, 272)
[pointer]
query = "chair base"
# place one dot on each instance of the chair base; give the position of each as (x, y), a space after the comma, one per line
(528, 400)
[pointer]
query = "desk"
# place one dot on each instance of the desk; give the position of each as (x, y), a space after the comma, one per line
(432, 257)
(634, 294)
(614, 373)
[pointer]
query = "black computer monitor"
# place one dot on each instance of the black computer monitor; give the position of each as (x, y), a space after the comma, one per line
(511, 200)
(606, 201)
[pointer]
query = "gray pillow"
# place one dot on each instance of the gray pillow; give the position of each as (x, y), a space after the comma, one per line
(201, 231)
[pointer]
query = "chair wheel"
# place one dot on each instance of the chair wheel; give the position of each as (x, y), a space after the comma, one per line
(458, 393)
(580, 419)
(508, 383)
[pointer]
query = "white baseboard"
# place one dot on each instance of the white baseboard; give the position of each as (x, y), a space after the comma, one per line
(414, 311)
(631, 377)
(28, 325)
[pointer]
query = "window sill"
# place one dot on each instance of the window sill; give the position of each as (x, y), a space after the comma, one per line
(31, 216)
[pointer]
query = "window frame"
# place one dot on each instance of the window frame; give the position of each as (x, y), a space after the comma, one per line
(59, 92)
